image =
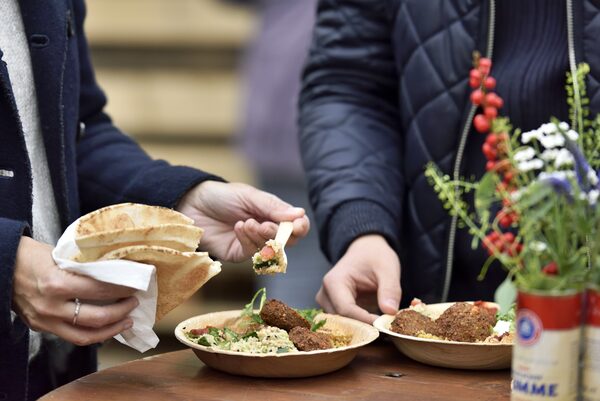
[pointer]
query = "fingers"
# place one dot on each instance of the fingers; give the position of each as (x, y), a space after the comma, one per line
(388, 288)
(65, 285)
(301, 228)
(267, 206)
(248, 246)
(252, 234)
(79, 335)
(342, 300)
(95, 316)
(323, 300)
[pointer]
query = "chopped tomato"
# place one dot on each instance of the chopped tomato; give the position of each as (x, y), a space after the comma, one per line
(199, 332)
(415, 302)
(488, 306)
(267, 253)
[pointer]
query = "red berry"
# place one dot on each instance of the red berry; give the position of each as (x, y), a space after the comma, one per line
(490, 165)
(485, 62)
(494, 235)
(490, 112)
(509, 237)
(481, 123)
(508, 176)
(477, 97)
(475, 74)
(551, 269)
(489, 83)
(489, 152)
(514, 250)
(505, 221)
(492, 139)
(474, 83)
(491, 99)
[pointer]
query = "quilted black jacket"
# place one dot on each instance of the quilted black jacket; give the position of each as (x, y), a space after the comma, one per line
(386, 91)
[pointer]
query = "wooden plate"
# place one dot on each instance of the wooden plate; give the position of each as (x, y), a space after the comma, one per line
(297, 364)
(447, 354)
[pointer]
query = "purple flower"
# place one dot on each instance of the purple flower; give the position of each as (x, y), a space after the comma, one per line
(582, 167)
(559, 181)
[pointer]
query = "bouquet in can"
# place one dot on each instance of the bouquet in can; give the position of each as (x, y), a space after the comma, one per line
(536, 208)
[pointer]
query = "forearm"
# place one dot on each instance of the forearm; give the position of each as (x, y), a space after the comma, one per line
(112, 168)
(350, 137)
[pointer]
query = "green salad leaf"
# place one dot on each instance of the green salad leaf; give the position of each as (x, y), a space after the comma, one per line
(310, 315)
(249, 308)
(509, 316)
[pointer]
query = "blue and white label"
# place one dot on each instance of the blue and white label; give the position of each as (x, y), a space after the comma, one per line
(529, 327)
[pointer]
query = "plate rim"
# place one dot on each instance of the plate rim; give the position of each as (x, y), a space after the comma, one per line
(179, 334)
(382, 324)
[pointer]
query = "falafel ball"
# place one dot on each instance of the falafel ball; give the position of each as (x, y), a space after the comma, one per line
(306, 340)
(465, 322)
(410, 322)
(276, 313)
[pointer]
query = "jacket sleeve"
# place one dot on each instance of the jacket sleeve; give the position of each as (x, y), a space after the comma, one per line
(10, 236)
(349, 134)
(112, 168)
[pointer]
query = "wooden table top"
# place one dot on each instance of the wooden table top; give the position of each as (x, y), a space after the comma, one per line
(379, 372)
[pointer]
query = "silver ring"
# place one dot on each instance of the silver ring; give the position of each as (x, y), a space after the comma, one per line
(76, 313)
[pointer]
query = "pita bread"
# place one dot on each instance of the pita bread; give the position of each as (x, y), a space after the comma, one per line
(179, 274)
(128, 215)
(181, 237)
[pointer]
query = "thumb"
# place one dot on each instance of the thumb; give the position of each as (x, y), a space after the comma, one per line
(388, 290)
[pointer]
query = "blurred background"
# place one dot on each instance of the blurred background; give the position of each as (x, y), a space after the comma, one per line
(212, 84)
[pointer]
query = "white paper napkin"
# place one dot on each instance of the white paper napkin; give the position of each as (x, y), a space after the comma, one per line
(122, 272)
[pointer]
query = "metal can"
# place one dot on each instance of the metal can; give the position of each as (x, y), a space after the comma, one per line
(591, 346)
(545, 362)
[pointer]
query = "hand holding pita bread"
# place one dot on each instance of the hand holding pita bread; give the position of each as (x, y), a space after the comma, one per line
(238, 219)
(43, 296)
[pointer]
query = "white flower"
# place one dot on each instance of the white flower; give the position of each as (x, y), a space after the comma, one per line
(561, 175)
(526, 137)
(524, 154)
(572, 135)
(592, 177)
(548, 128)
(552, 141)
(593, 196)
(563, 126)
(516, 195)
(549, 154)
(563, 158)
(538, 246)
(534, 164)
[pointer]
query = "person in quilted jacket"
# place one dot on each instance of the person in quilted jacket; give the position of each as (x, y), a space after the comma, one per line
(385, 91)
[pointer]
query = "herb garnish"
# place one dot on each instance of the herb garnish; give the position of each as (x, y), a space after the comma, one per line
(249, 308)
(310, 315)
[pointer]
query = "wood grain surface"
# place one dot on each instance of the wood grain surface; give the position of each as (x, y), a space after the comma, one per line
(379, 372)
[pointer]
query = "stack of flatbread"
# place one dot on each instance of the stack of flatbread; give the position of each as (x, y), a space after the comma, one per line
(153, 235)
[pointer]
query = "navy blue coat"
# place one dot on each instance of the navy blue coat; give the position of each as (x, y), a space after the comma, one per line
(90, 167)
(385, 91)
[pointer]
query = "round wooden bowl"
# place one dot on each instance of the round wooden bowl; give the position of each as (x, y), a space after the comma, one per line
(447, 354)
(286, 365)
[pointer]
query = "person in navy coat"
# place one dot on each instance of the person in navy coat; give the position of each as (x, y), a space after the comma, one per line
(60, 157)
